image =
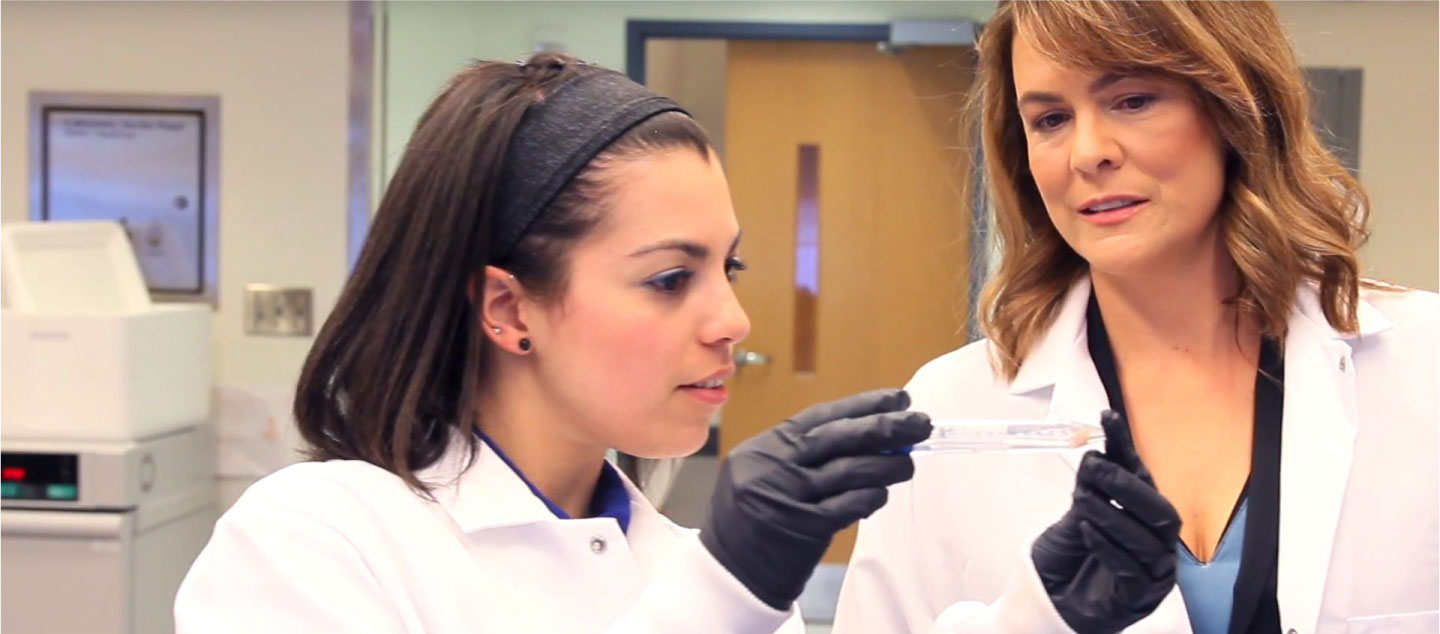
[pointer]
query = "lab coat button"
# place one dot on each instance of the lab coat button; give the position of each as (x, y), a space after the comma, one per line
(597, 545)
(1292, 630)
(1342, 364)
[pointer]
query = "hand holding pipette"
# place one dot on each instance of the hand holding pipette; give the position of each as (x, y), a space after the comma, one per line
(1110, 560)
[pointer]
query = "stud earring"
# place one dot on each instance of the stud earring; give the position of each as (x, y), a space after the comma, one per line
(525, 344)
(496, 330)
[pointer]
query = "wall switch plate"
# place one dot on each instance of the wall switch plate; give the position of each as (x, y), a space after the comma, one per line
(277, 310)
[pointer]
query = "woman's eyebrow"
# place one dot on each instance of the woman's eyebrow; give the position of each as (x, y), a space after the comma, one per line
(692, 249)
(1101, 83)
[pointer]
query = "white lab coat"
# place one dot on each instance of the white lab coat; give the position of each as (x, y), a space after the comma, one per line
(344, 546)
(1359, 532)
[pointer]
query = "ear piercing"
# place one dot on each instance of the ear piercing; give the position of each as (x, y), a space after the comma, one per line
(525, 344)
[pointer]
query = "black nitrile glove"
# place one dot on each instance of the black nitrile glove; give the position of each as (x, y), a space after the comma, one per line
(783, 494)
(1106, 567)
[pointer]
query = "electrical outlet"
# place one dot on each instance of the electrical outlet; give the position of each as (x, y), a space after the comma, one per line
(276, 310)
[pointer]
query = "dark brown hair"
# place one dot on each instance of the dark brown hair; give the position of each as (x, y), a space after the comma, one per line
(396, 367)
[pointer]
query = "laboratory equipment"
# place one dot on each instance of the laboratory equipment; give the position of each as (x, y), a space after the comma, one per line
(87, 356)
(107, 461)
(97, 535)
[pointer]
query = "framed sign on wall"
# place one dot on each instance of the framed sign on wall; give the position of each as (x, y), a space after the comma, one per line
(150, 163)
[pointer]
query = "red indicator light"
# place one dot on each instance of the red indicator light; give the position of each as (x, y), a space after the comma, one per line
(12, 473)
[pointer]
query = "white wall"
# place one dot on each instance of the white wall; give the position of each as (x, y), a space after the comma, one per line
(281, 71)
(1396, 44)
(428, 41)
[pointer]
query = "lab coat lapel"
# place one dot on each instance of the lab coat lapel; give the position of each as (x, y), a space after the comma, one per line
(1061, 361)
(507, 528)
(490, 495)
(486, 494)
(1316, 449)
(652, 536)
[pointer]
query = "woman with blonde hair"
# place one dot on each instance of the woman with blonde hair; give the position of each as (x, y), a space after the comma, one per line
(1179, 248)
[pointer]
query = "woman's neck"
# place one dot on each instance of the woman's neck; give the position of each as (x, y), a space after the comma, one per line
(561, 462)
(1176, 312)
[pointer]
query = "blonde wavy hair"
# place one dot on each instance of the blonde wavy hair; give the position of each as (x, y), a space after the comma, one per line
(1290, 212)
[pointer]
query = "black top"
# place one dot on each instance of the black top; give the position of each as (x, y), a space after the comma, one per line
(1256, 609)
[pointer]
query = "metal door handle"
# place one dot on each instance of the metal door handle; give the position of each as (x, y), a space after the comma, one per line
(750, 357)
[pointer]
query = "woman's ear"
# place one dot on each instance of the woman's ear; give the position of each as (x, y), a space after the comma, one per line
(496, 295)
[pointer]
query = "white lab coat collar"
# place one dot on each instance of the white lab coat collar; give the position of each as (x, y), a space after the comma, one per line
(488, 499)
(1056, 348)
(1307, 306)
(489, 494)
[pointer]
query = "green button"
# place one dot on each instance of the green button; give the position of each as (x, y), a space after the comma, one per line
(10, 489)
(60, 491)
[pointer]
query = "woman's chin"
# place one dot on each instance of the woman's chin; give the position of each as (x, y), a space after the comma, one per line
(672, 445)
(1121, 260)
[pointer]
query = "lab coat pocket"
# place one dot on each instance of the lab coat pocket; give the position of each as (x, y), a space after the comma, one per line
(1408, 623)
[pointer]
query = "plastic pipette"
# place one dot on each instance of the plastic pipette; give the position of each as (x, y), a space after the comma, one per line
(975, 436)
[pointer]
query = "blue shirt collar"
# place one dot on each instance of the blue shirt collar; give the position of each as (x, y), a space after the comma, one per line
(610, 498)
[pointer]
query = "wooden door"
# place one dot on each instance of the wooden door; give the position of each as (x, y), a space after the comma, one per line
(845, 169)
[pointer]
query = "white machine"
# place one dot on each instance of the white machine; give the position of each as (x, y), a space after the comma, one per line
(107, 487)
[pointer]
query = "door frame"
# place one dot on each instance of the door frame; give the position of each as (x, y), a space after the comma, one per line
(637, 32)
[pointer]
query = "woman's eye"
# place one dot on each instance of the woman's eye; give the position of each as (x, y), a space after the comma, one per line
(1049, 121)
(672, 281)
(733, 266)
(1135, 102)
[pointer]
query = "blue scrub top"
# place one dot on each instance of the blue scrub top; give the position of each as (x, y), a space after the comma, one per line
(1209, 588)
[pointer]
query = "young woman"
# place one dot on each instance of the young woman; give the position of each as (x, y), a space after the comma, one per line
(548, 277)
(1179, 248)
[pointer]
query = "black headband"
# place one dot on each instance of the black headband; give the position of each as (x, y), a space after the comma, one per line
(556, 138)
